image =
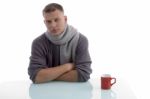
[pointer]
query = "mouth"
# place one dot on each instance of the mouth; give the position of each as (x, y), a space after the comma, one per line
(54, 31)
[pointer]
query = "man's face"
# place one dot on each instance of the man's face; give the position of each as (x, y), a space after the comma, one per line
(55, 22)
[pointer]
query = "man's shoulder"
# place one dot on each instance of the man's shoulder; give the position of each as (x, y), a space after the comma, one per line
(40, 38)
(82, 42)
(82, 38)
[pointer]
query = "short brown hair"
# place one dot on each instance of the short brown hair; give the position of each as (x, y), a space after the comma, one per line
(52, 7)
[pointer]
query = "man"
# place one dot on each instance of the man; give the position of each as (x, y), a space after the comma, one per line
(61, 53)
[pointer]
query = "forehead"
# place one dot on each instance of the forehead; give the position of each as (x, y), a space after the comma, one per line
(53, 15)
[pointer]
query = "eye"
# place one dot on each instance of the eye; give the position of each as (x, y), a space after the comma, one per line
(48, 21)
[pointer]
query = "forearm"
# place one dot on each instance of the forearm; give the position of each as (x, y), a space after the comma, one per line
(49, 74)
(71, 76)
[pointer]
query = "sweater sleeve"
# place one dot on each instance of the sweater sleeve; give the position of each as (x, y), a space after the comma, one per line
(83, 59)
(37, 59)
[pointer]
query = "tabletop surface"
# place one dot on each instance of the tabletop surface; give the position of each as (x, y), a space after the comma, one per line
(65, 90)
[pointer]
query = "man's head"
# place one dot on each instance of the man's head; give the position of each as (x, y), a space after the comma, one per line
(54, 18)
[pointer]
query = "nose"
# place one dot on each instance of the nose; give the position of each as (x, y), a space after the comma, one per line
(53, 24)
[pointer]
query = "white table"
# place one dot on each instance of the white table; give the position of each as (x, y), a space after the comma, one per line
(64, 90)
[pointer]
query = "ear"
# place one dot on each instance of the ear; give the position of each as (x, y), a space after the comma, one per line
(65, 18)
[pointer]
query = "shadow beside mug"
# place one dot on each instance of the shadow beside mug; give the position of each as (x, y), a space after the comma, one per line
(108, 94)
(61, 90)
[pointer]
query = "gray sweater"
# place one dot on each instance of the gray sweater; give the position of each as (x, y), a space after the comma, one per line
(44, 54)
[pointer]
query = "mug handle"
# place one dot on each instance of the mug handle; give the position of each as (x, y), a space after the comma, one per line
(114, 81)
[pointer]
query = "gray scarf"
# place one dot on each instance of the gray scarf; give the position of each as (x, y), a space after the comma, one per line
(67, 41)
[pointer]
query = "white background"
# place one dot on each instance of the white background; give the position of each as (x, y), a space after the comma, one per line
(118, 33)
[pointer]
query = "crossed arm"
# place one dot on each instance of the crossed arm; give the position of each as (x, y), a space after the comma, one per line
(65, 72)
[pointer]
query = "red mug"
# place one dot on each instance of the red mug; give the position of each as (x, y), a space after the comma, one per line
(106, 81)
